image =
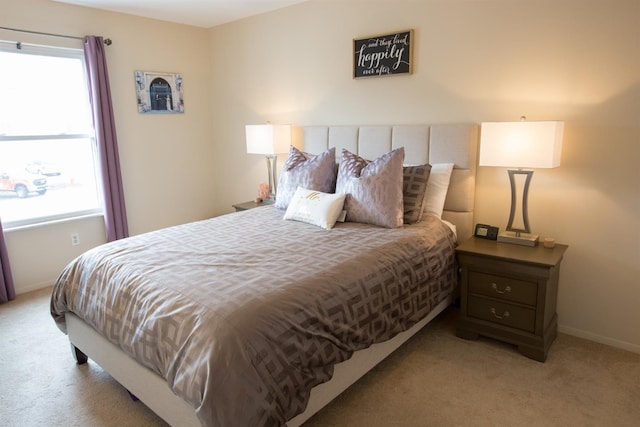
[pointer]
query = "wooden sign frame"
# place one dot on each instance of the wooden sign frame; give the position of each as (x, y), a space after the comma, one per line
(383, 55)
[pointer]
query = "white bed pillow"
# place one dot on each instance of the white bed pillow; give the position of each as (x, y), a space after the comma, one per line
(437, 188)
(315, 207)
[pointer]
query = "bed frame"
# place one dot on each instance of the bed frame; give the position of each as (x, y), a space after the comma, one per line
(449, 143)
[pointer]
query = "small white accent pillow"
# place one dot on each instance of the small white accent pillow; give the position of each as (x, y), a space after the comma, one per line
(437, 188)
(315, 207)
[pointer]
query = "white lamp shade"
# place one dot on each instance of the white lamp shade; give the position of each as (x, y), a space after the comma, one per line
(268, 139)
(521, 144)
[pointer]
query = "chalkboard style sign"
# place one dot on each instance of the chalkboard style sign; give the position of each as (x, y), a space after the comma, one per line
(383, 55)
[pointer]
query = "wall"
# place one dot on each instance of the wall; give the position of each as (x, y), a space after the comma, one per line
(475, 60)
(167, 160)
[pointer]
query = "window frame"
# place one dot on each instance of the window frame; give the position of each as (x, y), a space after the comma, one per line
(61, 52)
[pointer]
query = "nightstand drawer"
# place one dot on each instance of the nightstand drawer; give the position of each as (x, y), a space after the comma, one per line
(505, 288)
(501, 313)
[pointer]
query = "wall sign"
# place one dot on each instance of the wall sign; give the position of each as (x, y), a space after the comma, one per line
(159, 92)
(383, 55)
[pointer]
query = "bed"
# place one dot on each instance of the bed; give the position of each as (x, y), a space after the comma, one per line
(248, 319)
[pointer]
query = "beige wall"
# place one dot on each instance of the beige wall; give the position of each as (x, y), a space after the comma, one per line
(475, 60)
(167, 160)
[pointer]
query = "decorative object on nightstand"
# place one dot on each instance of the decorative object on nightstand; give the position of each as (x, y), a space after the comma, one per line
(269, 140)
(519, 145)
(263, 192)
(509, 293)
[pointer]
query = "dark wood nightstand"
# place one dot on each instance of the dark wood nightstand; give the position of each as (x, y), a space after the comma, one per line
(509, 292)
(249, 205)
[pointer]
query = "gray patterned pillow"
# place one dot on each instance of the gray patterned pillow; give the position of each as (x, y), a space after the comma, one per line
(373, 189)
(311, 172)
(414, 188)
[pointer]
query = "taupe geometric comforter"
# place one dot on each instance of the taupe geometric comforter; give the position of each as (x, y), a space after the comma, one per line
(243, 314)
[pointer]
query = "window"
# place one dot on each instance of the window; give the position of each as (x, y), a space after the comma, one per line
(47, 149)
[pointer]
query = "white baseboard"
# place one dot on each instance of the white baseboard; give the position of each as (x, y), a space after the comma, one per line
(634, 348)
(33, 287)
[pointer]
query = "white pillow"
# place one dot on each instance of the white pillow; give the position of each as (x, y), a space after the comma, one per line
(437, 188)
(315, 207)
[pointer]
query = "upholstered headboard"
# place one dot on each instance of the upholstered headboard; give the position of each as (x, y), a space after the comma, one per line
(446, 143)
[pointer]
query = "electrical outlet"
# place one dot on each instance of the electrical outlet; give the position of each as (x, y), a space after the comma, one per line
(75, 239)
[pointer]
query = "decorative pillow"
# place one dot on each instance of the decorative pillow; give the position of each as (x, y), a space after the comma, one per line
(414, 187)
(437, 188)
(373, 189)
(312, 172)
(315, 207)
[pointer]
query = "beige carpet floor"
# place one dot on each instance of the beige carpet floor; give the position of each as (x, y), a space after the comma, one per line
(435, 379)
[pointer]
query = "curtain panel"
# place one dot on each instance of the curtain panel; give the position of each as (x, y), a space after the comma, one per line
(7, 291)
(105, 128)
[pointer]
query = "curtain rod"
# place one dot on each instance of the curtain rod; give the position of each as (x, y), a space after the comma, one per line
(107, 41)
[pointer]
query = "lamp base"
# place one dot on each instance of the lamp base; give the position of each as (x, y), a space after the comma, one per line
(523, 239)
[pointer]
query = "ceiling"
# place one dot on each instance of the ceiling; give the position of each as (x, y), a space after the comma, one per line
(200, 13)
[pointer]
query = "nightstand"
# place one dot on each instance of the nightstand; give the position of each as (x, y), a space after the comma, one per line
(249, 205)
(509, 292)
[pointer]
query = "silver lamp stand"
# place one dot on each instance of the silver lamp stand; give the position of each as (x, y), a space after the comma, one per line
(272, 168)
(519, 236)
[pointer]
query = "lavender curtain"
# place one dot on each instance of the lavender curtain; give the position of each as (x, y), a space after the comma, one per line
(7, 291)
(104, 124)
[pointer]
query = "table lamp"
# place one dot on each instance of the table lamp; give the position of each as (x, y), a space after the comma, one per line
(269, 140)
(518, 145)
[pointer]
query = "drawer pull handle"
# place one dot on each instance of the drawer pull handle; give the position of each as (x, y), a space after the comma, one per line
(504, 315)
(506, 290)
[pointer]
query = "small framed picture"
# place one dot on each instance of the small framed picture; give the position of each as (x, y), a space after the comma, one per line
(383, 55)
(159, 93)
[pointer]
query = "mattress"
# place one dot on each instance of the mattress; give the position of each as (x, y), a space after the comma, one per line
(243, 314)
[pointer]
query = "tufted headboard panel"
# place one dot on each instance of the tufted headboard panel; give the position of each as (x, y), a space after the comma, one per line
(445, 143)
